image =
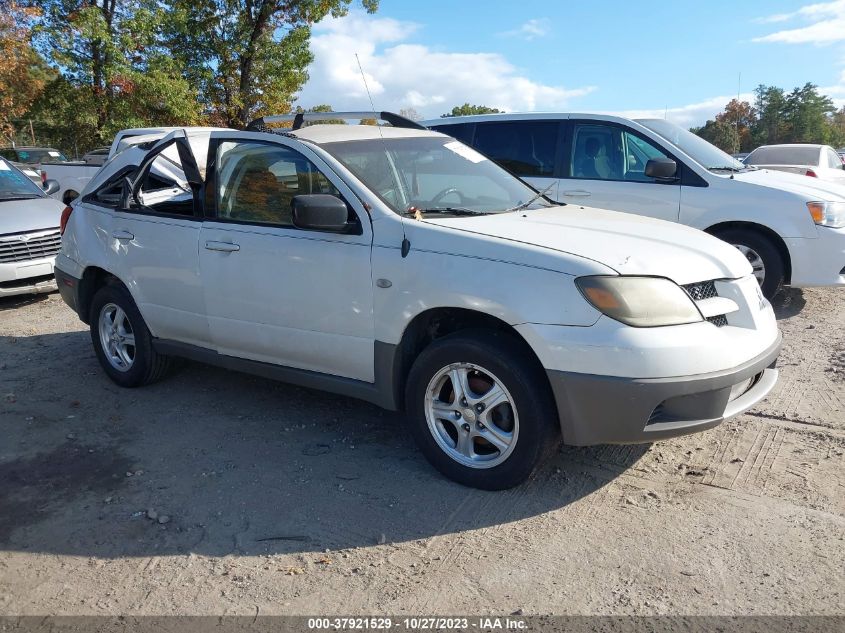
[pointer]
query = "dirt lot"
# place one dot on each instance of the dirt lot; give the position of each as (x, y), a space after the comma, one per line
(273, 499)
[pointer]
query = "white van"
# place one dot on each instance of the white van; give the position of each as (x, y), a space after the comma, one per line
(790, 228)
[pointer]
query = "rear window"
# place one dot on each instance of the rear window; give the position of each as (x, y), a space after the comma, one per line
(784, 156)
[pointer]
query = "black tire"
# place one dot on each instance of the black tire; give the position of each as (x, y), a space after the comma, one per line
(523, 378)
(775, 268)
(147, 365)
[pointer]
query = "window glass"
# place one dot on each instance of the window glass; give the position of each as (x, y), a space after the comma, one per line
(14, 185)
(784, 155)
(605, 152)
(833, 160)
(257, 182)
(432, 173)
(527, 148)
(460, 131)
(165, 188)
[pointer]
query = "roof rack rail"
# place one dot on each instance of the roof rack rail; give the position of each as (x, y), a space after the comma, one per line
(299, 118)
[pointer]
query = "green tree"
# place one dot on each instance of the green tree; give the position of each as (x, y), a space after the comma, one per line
(468, 109)
(247, 58)
(110, 54)
(772, 125)
(808, 114)
(722, 135)
(742, 117)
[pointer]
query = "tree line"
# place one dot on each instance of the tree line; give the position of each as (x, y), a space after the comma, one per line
(801, 116)
(74, 72)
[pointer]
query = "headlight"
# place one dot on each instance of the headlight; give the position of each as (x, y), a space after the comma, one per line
(640, 301)
(830, 214)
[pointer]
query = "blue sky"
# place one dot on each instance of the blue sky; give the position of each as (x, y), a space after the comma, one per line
(682, 59)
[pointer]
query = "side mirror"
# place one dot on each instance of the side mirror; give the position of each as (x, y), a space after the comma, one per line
(661, 168)
(320, 212)
(51, 186)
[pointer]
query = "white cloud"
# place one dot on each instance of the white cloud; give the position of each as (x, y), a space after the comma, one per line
(689, 115)
(403, 74)
(827, 25)
(532, 29)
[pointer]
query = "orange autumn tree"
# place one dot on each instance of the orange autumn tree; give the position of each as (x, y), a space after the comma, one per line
(23, 74)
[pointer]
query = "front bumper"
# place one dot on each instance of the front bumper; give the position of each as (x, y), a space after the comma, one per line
(596, 409)
(819, 261)
(27, 277)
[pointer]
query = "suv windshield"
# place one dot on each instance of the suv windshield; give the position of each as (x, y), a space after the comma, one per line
(705, 154)
(14, 185)
(433, 174)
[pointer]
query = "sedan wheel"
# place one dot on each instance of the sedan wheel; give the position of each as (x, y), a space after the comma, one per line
(471, 416)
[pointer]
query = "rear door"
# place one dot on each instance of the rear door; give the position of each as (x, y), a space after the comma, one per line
(154, 241)
(605, 168)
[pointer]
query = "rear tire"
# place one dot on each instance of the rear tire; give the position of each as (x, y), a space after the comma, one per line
(122, 341)
(508, 422)
(759, 250)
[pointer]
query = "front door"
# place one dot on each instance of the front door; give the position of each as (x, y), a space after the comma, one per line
(606, 169)
(276, 293)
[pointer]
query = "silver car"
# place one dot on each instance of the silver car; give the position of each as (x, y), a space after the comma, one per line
(29, 233)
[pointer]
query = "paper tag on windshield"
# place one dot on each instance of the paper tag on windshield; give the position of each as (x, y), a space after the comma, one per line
(54, 154)
(3, 166)
(462, 150)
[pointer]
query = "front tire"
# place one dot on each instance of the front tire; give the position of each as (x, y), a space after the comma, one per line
(480, 409)
(121, 339)
(762, 254)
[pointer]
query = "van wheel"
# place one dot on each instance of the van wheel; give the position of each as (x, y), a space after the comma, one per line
(122, 342)
(480, 410)
(763, 256)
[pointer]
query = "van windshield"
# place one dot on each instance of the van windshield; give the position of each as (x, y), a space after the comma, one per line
(433, 174)
(705, 154)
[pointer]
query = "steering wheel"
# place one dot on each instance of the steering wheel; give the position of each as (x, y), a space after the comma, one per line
(442, 194)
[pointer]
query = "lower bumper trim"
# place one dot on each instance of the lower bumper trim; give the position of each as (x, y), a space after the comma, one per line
(612, 410)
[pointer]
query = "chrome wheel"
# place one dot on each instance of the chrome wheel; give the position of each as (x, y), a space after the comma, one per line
(755, 260)
(471, 415)
(116, 337)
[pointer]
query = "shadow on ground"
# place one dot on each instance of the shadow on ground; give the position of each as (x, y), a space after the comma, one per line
(237, 464)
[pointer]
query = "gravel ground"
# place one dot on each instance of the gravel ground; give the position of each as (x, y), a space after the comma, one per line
(220, 493)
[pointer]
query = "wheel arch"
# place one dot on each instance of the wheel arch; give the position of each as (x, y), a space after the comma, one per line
(93, 278)
(425, 328)
(765, 231)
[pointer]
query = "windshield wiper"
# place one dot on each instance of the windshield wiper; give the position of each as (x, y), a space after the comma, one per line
(446, 210)
(726, 168)
(531, 200)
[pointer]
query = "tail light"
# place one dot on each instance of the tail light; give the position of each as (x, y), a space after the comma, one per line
(64, 219)
(811, 173)
(43, 176)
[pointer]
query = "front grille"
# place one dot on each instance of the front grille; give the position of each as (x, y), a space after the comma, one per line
(701, 290)
(21, 247)
(720, 320)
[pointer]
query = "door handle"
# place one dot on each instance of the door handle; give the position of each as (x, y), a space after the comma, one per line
(223, 247)
(576, 193)
(122, 235)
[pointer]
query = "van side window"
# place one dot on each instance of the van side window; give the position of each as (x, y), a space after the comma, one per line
(608, 152)
(526, 148)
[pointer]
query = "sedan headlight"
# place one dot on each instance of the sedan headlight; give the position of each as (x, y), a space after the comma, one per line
(830, 214)
(640, 301)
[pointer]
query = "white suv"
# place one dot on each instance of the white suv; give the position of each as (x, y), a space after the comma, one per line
(790, 228)
(397, 265)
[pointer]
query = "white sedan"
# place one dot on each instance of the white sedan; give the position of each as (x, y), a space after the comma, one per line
(816, 161)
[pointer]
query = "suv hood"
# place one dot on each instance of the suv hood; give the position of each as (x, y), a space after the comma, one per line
(19, 216)
(629, 244)
(807, 186)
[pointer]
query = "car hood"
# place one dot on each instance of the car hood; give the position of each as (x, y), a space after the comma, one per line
(629, 244)
(18, 216)
(807, 186)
